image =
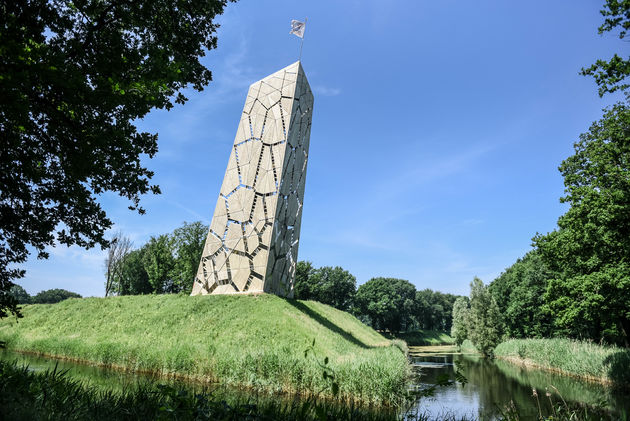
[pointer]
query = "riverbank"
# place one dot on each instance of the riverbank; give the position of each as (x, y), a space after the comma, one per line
(605, 364)
(53, 395)
(254, 341)
(423, 338)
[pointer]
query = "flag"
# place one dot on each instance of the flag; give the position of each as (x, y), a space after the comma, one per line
(297, 28)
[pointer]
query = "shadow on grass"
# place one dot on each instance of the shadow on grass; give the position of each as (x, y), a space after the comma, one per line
(619, 367)
(325, 322)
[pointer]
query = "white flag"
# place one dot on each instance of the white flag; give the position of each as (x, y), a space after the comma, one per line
(297, 28)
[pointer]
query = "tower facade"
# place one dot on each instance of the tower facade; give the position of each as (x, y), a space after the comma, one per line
(254, 235)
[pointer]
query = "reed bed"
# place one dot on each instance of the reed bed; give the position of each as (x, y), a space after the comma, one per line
(587, 360)
(256, 341)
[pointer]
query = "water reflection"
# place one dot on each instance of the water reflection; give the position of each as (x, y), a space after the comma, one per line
(118, 381)
(492, 385)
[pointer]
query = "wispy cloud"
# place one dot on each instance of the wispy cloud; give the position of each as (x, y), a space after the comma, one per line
(326, 91)
(79, 256)
(190, 211)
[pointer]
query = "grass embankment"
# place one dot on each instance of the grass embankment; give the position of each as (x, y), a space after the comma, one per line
(253, 341)
(424, 338)
(586, 360)
(52, 395)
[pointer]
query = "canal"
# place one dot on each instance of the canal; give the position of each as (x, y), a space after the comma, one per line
(491, 386)
(494, 385)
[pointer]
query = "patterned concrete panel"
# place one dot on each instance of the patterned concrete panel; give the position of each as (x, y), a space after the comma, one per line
(254, 235)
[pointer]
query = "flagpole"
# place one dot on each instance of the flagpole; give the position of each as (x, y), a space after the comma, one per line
(302, 43)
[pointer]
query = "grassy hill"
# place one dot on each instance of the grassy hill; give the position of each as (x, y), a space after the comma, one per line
(257, 341)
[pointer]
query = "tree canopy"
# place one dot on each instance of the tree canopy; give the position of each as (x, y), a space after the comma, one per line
(590, 250)
(610, 75)
(329, 285)
(52, 296)
(519, 292)
(484, 319)
(167, 263)
(387, 302)
(461, 316)
(433, 310)
(20, 294)
(75, 77)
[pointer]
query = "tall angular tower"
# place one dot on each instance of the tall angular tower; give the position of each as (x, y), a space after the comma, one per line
(254, 235)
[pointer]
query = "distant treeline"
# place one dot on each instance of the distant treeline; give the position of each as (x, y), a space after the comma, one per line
(384, 303)
(49, 296)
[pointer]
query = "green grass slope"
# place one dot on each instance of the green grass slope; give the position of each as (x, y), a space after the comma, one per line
(251, 340)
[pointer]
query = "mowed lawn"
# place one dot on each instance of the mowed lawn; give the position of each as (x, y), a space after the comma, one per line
(257, 341)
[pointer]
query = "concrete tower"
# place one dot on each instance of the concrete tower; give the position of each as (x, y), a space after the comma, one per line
(254, 235)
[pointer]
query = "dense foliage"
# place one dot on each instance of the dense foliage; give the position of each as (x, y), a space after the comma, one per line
(49, 296)
(519, 293)
(433, 310)
(384, 303)
(76, 76)
(610, 75)
(576, 282)
(590, 250)
(328, 285)
(20, 295)
(52, 296)
(387, 302)
(461, 314)
(478, 319)
(168, 263)
(484, 321)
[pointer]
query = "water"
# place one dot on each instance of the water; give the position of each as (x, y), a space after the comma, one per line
(493, 385)
(118, 381)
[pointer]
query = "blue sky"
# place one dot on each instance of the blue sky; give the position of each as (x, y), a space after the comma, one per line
(437, 131)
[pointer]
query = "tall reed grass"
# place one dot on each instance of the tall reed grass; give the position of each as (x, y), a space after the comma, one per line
(253, 341)
(576, 358)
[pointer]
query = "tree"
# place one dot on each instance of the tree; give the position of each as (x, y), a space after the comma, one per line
(168, 263)
(433, 310)
(519, 293)
(484, 327)
(461, 315)
(119, 248)
(333, 286)
(159, 262)
(302, 286)
(422, 309)
(52, 296)
(20, 295)
(328, 285)
(188, 241)
(611, 75)
(76, 76)
(387, 302)
(590, 250)
(134, 279)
